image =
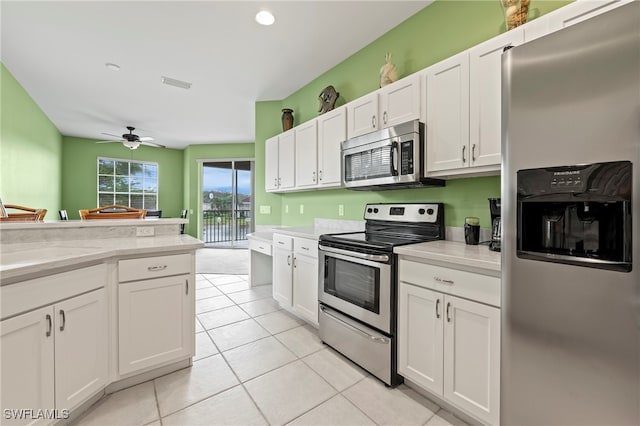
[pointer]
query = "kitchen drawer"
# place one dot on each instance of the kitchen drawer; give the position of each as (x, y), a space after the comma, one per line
(283, 242)
(31, 294)
(260, 246)
(154, 267)
(469, 285)
(306, 247)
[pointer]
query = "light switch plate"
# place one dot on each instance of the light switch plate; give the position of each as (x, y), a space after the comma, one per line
(340, 209)
(286, 208)
(265, 209)
(301, 208)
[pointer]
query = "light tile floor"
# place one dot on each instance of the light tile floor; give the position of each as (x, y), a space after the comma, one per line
(258, 365)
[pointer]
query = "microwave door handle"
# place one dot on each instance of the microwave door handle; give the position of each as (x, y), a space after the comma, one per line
(394, 159)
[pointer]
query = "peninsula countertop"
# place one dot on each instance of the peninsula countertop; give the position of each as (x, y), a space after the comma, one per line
(25, 260)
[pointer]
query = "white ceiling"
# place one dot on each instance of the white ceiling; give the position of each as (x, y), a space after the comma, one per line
(57, 50)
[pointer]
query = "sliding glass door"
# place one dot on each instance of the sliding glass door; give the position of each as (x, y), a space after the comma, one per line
(227, 203)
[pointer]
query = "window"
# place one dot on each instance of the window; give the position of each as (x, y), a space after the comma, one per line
(128, 183)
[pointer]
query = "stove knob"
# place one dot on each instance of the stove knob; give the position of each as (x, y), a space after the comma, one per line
(369, 210)
(429, 212)
(421, 211)
(375, 210)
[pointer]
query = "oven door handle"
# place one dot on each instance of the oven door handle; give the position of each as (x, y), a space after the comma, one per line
(381, 340)
(372, 257)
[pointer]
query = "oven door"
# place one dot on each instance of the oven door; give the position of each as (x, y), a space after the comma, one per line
(357, 284)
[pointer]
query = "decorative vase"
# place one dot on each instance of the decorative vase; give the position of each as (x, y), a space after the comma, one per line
(515, 12)
(287, 119)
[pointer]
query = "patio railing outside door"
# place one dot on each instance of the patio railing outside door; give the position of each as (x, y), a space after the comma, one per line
(219, 226)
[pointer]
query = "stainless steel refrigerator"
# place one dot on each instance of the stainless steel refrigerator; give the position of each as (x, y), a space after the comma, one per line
(571, 210)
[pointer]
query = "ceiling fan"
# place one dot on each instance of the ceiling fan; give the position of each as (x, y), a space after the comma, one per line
(131, 140)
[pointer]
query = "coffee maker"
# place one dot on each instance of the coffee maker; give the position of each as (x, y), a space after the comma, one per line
(496, 224)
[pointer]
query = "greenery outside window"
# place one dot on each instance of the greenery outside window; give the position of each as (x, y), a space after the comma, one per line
(127, 183)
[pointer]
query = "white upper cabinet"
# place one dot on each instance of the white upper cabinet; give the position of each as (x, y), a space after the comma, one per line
(393, 104)
(400, 101)
(306, 152)
(362, 115)
(579, 11)
(280, 162)
(287, 160)
(332, 130)
(448, 113)
(271, 164)
(464, 117)
(485, 98)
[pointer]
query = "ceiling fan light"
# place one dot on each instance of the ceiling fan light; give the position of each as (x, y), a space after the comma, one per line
(264, 17)
(131, 144)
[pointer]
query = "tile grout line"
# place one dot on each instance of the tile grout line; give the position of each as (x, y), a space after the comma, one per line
(155, 393)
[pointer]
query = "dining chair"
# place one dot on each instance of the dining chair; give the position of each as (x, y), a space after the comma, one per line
(63, 215)
(113, 211)
(183, 215)
(23, 214)
(154, 213)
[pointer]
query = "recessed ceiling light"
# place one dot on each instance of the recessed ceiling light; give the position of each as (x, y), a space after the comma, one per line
(265, 17)
(112, 66)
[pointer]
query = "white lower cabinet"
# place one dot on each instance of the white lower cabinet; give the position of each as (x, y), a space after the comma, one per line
(283, 270)
(450, 346)
(295, 276)
(55, 357)
(155, 322)
(27, 362)
(305, 279)
(80, 348)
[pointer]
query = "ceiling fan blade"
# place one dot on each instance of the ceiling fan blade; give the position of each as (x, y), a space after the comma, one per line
(108, 141)
(110, 134)
(145, 138)
(157, 145)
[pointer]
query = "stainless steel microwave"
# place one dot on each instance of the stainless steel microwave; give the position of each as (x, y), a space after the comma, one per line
(390, 158)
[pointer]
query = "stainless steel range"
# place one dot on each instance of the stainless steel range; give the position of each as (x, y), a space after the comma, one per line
(358, 289)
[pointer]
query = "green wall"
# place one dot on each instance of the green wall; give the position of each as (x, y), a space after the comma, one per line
(30, 150)
(80, 165)
(192, 179)
(435, 33)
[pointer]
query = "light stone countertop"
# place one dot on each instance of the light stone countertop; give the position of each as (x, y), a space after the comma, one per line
(95, 223)
(454, 253)
(262, 236)
(26, 260)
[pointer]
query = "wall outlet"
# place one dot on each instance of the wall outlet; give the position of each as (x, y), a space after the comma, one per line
(145, 231)
(301, 208)
(265, 209)
(286, 208)
(340, 209)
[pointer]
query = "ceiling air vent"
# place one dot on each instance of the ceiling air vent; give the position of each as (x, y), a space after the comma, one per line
(177, 83)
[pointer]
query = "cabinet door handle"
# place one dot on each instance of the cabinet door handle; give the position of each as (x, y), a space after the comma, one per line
(320, 175)
(275, 182)
(157, 268)
(448, 317)
(442, 280)
(289, 260)
(373, 121)
(473, 152)
(384, 117)
(279, 181)
(437, 308)
(186, 286)
(49, 325)
(64, 320)
(314, 176)
(464, 160)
